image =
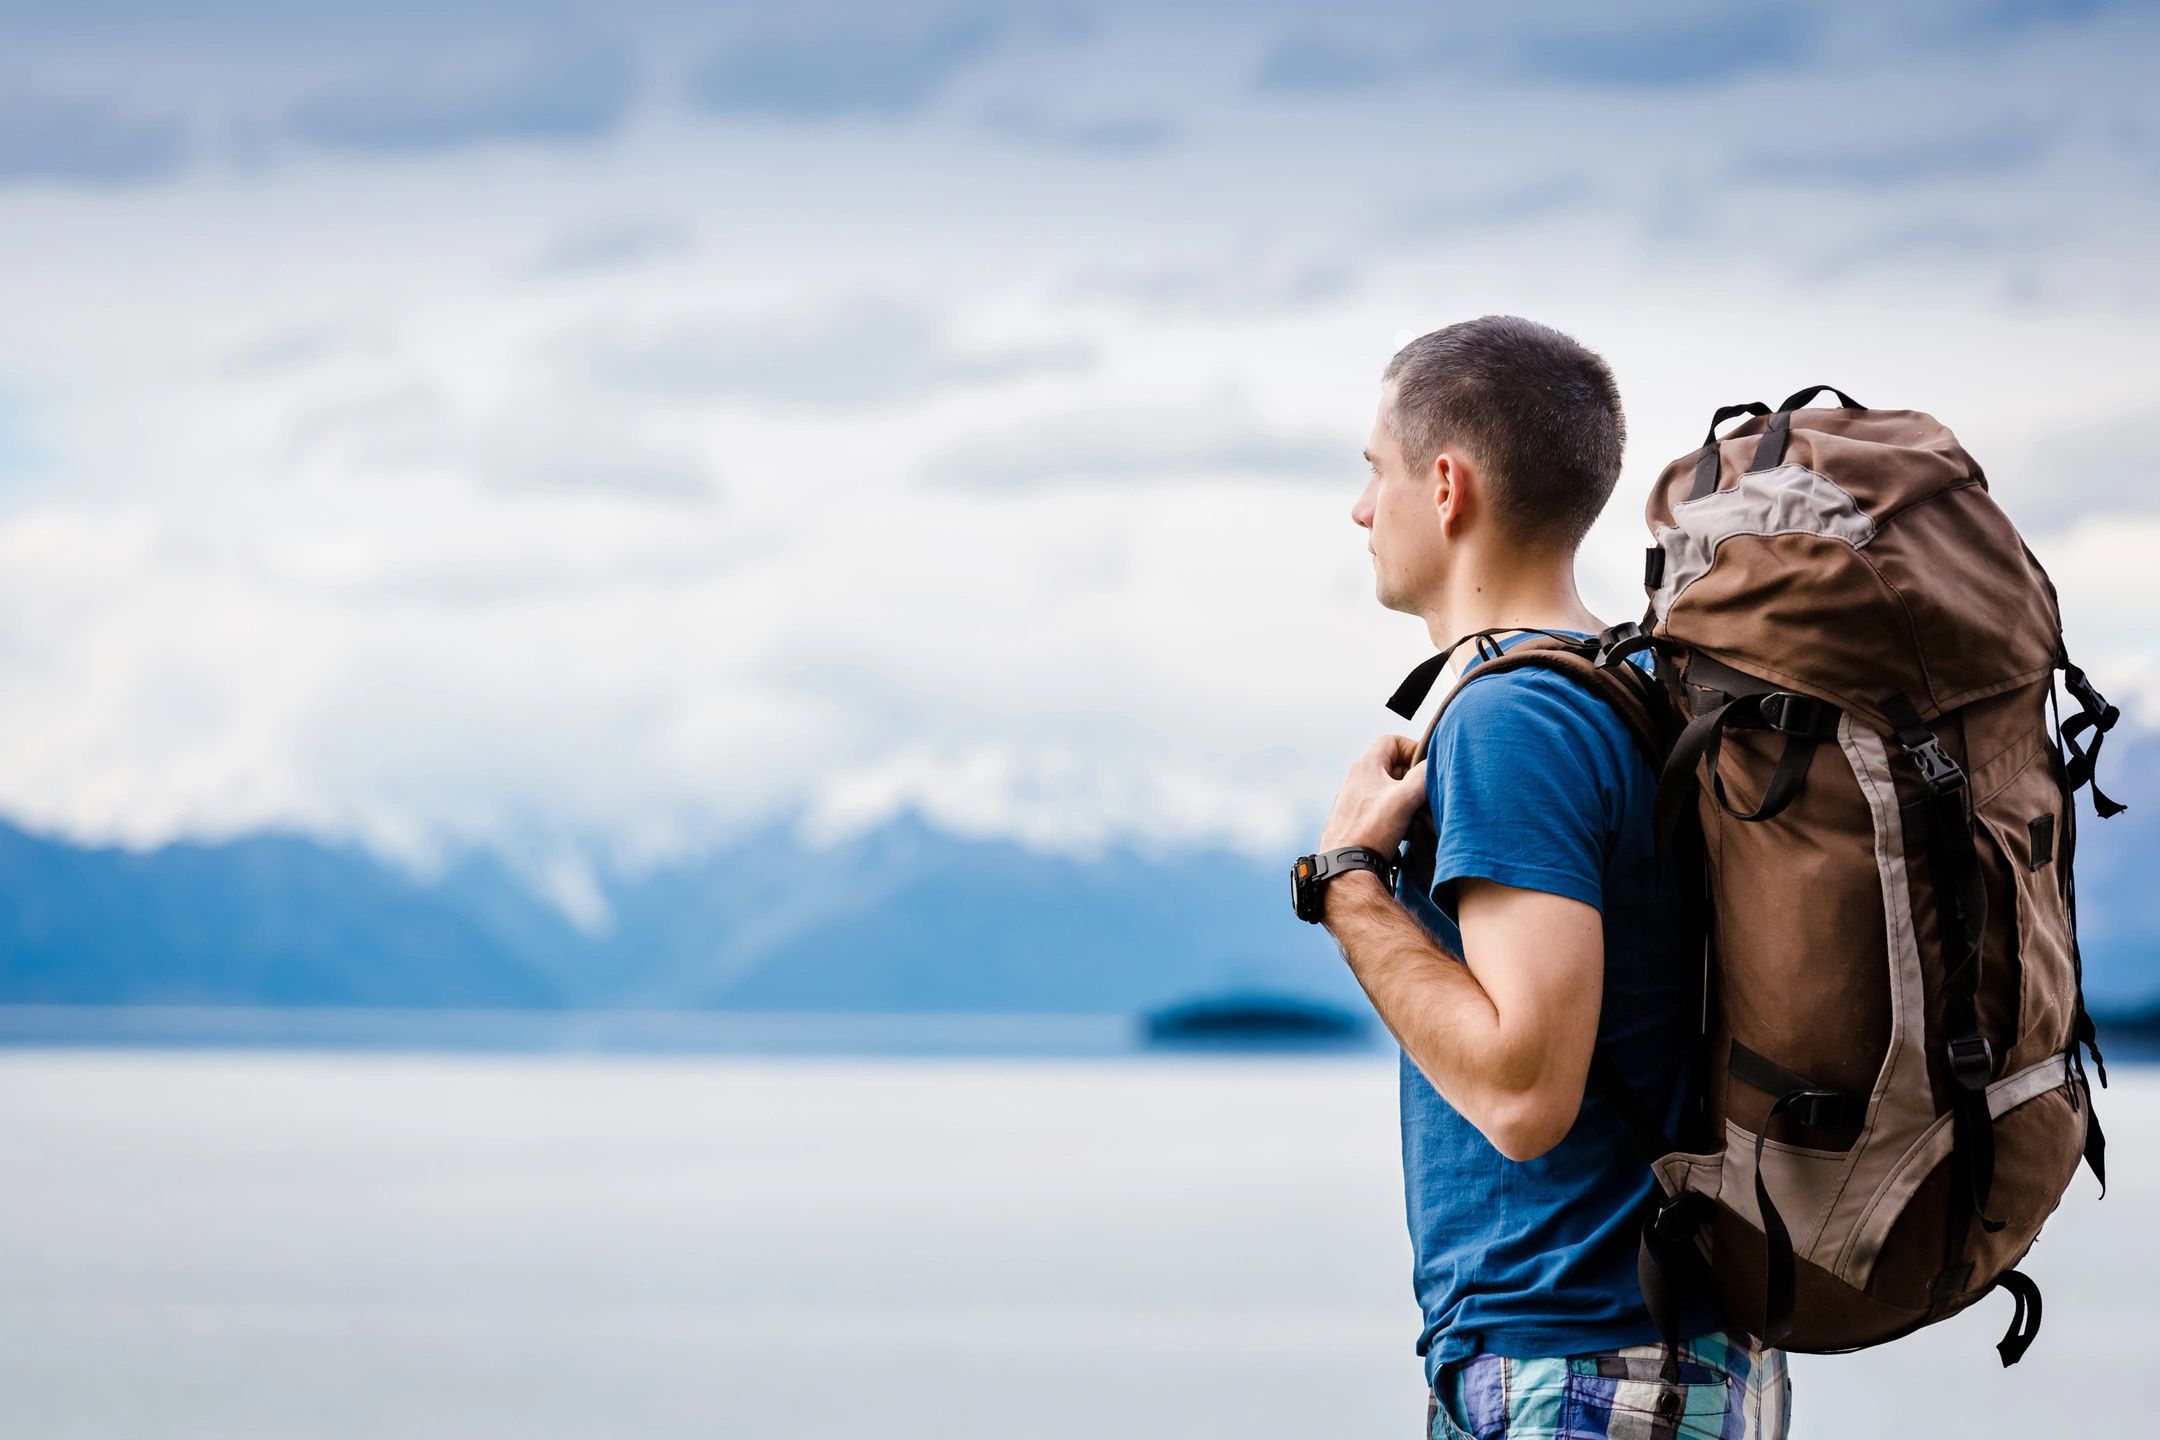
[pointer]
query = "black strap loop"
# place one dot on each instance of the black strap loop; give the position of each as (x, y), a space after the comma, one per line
(2096, 715)
(1777, 1240)
(2095, 1137)
(1785, 780)
(1706, 465)
(1770, 451)
(2024, 1320)
(1801, 397)
(1805, 721)
(1819, 1108)
(1676, 784)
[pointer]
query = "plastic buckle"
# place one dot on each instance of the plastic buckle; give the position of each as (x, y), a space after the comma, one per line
(1821, 1109)
(1614, 637)
(1972, 1060)
(1791, 711)
(1677, 1217)
(1939, 772)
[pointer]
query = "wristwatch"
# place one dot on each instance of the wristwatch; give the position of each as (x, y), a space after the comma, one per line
(1309, 875)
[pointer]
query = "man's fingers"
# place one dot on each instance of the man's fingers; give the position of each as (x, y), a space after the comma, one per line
(1393, 753)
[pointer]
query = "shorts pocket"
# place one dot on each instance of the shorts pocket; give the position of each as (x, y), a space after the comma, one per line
(1600, 1388)
(1441, 1425)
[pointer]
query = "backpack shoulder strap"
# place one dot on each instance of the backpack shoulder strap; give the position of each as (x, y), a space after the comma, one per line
(1636, 696)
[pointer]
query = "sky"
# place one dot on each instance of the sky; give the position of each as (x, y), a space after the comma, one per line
(594, 432)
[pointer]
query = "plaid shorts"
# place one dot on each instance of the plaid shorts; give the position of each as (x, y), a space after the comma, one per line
(1730, 1389)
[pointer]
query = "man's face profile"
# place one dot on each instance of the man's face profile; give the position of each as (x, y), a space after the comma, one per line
(1399, 513)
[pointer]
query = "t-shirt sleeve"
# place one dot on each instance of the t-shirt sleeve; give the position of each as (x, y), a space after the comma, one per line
(1524, 789)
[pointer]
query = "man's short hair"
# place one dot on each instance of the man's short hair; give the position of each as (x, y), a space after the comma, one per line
(1538, 411)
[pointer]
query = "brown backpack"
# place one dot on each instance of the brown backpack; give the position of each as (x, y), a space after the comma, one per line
(1855, 658)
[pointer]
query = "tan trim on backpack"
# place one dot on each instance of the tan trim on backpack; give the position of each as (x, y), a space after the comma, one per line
(1932, 1149)
(1790, 499)
(1897, 1114)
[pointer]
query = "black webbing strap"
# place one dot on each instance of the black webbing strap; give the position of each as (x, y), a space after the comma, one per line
(1785, 780)
(1668, 1267)
(1777, 1240)
(1806, 723)
(1961, 910)
(1706, 465)
(2083, 1031)
(1770, 450)
(1676, 783)
(2084, 1035)
(2095, 1137)
(1418, 683)
(2024, 1321)
(2096, 715)
(1642, 1126)
(1813, 1105)
(1823, 1109)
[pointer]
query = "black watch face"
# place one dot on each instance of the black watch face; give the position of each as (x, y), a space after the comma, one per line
(1301, 873)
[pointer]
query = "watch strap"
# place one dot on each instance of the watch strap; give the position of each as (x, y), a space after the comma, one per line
(1312, 872)
(1343, 859)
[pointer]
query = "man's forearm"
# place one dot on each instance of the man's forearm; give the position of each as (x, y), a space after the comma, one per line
(1434, 1006)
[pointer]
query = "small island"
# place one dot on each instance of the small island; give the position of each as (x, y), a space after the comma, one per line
(1254, 1021)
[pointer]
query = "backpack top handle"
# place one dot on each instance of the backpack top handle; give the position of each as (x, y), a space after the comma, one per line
(1706, 468)
(1770, 452)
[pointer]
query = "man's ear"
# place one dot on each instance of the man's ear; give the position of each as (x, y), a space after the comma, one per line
(1448, 491)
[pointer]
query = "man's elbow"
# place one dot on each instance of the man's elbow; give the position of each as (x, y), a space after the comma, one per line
(1527, 1125)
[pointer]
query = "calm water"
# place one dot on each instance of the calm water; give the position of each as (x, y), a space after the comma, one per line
(221, 1244)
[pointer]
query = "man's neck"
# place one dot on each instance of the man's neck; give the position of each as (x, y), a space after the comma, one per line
(1520, 595)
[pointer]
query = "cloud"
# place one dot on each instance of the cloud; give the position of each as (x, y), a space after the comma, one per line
(554, 459)
(870, 352)
(1315, 65)
(1672, 53)
(2001, 149)
(848, 74)
(1128, 136)
(288, 349)
(21, 453)
(532, 444)
(84, 141)
(440, 103)
(1221, 286)
(396, 428)
(1141, 442)
(620, 244)
(2103, 467)
(1930, 245)
(1537, 198)
(2015, 17)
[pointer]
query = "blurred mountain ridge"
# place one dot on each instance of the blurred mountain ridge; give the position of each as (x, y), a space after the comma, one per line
(905, 917)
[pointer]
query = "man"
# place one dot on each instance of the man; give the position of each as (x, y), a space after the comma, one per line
(1547, 929)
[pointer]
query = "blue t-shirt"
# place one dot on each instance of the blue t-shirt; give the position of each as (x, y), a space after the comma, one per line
(1536, 782)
